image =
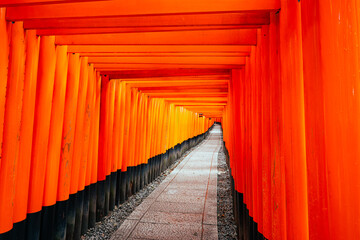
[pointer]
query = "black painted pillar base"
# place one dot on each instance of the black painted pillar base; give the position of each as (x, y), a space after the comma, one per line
(92, 207)
(113, 180)
(118, 187)
(60, 220)
(70, 218)
(7, 235)
(47, 222)
(142, 176)
(79, 204)
(100, 200)
(123, 184)
(146, 174)
(129, 182)
(18, 231)
(107, 194)
(33, 224)
(86, 210)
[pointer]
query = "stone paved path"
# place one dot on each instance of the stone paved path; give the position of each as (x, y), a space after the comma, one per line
(184, 206)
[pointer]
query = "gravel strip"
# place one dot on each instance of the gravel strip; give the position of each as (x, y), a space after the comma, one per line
(226, 224)
(105, 228)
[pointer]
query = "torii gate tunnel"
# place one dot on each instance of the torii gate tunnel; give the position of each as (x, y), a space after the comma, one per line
(98, 97)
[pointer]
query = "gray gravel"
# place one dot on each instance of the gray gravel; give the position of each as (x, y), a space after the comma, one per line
(226, 223)
(105, 228)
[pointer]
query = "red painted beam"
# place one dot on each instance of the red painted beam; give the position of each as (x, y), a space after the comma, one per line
(164, 73)
(170, 84)
(148, 7)
(175, 20)
(184, 88)
(106, 67)
(17, 3)
(77, 31)
(178, 78)
(194, 90)
(185, 104)
(178, 54)
(158, 48)
(169, 60)
(184, 95)
(210, 37)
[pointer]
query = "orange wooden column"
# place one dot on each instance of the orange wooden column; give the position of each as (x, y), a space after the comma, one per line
(139, 132)
(132, 126)
(116, 145)
(314, 122)
(150, 128)
(102, 154)
(97, 128)
(12, 121)
(82, 219)
(74, 211)
(86, 161)
(57, 118)
(253, 167)
(294, 148)
(67, 143)
(79, 129)
(127, 103)
(236, 95)
(154, 127)
(27, 123)
(89, 206)
(4, 62)
(102, 136)
(55, 134)
(44, 96)
(111, 167)
(278, 200)
(265, 130)
(339, 41)
(116, 128)
(145, 141)
(122, 123)
(95, 152)
(93, 118)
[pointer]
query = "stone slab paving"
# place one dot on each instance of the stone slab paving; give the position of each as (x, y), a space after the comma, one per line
(184, 206)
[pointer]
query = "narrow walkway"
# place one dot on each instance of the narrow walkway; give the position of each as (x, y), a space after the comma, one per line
(184, 206)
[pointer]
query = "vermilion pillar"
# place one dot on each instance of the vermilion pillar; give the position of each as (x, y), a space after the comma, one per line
(67, 144)
(314, 122)
(57, 118)
(12, 121)
(54, 145)
(294, 145)
(44, 96)
(4, 62)
(278, 200)
(27, 123)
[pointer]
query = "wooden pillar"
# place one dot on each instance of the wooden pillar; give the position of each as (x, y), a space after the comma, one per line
(294, 148)
(278, 200)
(314, 122)
(339, 41)
(44, 96)
(265, 227)
(27, 124)
(54, 145)
(101, 173)
(12, 121)
(4, 63)
(67, 144)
